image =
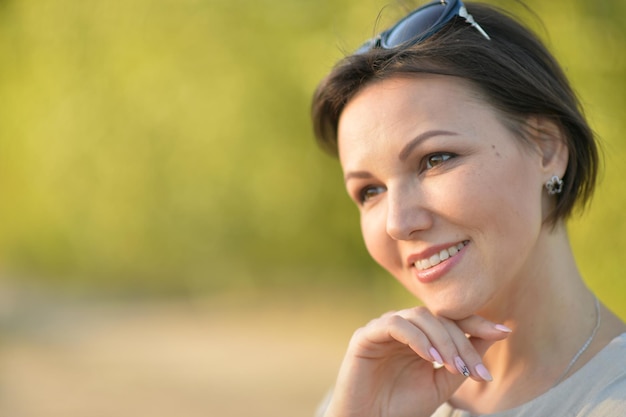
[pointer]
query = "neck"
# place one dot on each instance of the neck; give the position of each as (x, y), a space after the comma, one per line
(552, 314)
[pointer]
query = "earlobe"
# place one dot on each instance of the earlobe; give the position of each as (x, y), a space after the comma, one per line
(550, 142)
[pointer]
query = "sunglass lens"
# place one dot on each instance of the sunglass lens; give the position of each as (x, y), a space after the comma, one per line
(416, 26)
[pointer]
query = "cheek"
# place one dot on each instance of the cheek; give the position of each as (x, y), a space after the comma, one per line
(378, 243)
(518, 192)
(503, 208)
(372, 237)
(503, 185)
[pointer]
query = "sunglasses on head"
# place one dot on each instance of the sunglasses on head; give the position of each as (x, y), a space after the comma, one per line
(420, 24)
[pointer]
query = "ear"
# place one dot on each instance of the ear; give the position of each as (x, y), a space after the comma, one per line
(548, 139)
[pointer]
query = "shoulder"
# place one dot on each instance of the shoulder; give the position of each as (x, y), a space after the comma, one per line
(599, 388)
(608, 367)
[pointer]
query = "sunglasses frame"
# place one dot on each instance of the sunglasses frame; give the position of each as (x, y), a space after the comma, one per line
(452, 8)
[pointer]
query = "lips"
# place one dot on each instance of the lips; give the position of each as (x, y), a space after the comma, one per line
(435, 259)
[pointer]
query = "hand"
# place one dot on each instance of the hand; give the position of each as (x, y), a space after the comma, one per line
(388, 369)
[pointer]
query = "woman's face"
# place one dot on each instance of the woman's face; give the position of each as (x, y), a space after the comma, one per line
(450, 199)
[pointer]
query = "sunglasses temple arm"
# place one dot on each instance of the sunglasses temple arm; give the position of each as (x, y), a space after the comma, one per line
(469, 19)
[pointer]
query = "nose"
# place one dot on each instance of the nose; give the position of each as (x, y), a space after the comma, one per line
(407, 213)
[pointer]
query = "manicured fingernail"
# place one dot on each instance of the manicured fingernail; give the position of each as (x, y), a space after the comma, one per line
(460, 365)
(503, 328)
(483, 372)
(436, 356)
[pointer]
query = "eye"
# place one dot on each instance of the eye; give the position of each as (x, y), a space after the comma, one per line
(432, 160)
(369, 192)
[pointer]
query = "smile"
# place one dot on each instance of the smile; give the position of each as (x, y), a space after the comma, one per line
(437, 258)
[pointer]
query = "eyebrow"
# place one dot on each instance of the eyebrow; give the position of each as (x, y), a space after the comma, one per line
(404, 153)
(408, 148)
(357, 174)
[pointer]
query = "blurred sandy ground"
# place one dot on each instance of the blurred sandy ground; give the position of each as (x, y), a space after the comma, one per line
(248, 355)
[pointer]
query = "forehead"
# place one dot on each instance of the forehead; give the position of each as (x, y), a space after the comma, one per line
(401, 107)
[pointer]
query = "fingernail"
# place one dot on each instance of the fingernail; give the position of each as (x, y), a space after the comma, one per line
(436, 356)
(483, 372)
(460, 365)
(503, 328)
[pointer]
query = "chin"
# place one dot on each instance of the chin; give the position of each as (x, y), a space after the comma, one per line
(454, 308)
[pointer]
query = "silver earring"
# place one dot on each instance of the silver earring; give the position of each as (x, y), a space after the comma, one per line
(554, 185)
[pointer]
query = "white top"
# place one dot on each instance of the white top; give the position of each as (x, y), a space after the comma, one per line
(598, 389)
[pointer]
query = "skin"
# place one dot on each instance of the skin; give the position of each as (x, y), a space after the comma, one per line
(431, 166)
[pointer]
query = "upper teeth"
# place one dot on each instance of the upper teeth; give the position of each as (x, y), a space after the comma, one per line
(437, 258)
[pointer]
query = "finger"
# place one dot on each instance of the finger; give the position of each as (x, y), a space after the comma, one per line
(484, 334)
(468, 361)
(443, 343)
(471, 350)
(481, 345)
(480, 327)
(390, 328)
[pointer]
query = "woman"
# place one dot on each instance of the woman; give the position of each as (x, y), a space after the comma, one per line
(465, 149)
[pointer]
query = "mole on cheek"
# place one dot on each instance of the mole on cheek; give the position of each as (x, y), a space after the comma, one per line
(497, 153)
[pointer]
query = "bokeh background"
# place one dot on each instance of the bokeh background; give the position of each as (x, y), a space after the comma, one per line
(172, 241)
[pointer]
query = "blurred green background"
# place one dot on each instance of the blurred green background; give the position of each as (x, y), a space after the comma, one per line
(164, 147)
(162, 150)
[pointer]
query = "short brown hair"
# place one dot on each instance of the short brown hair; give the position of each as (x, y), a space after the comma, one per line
(513, 71)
